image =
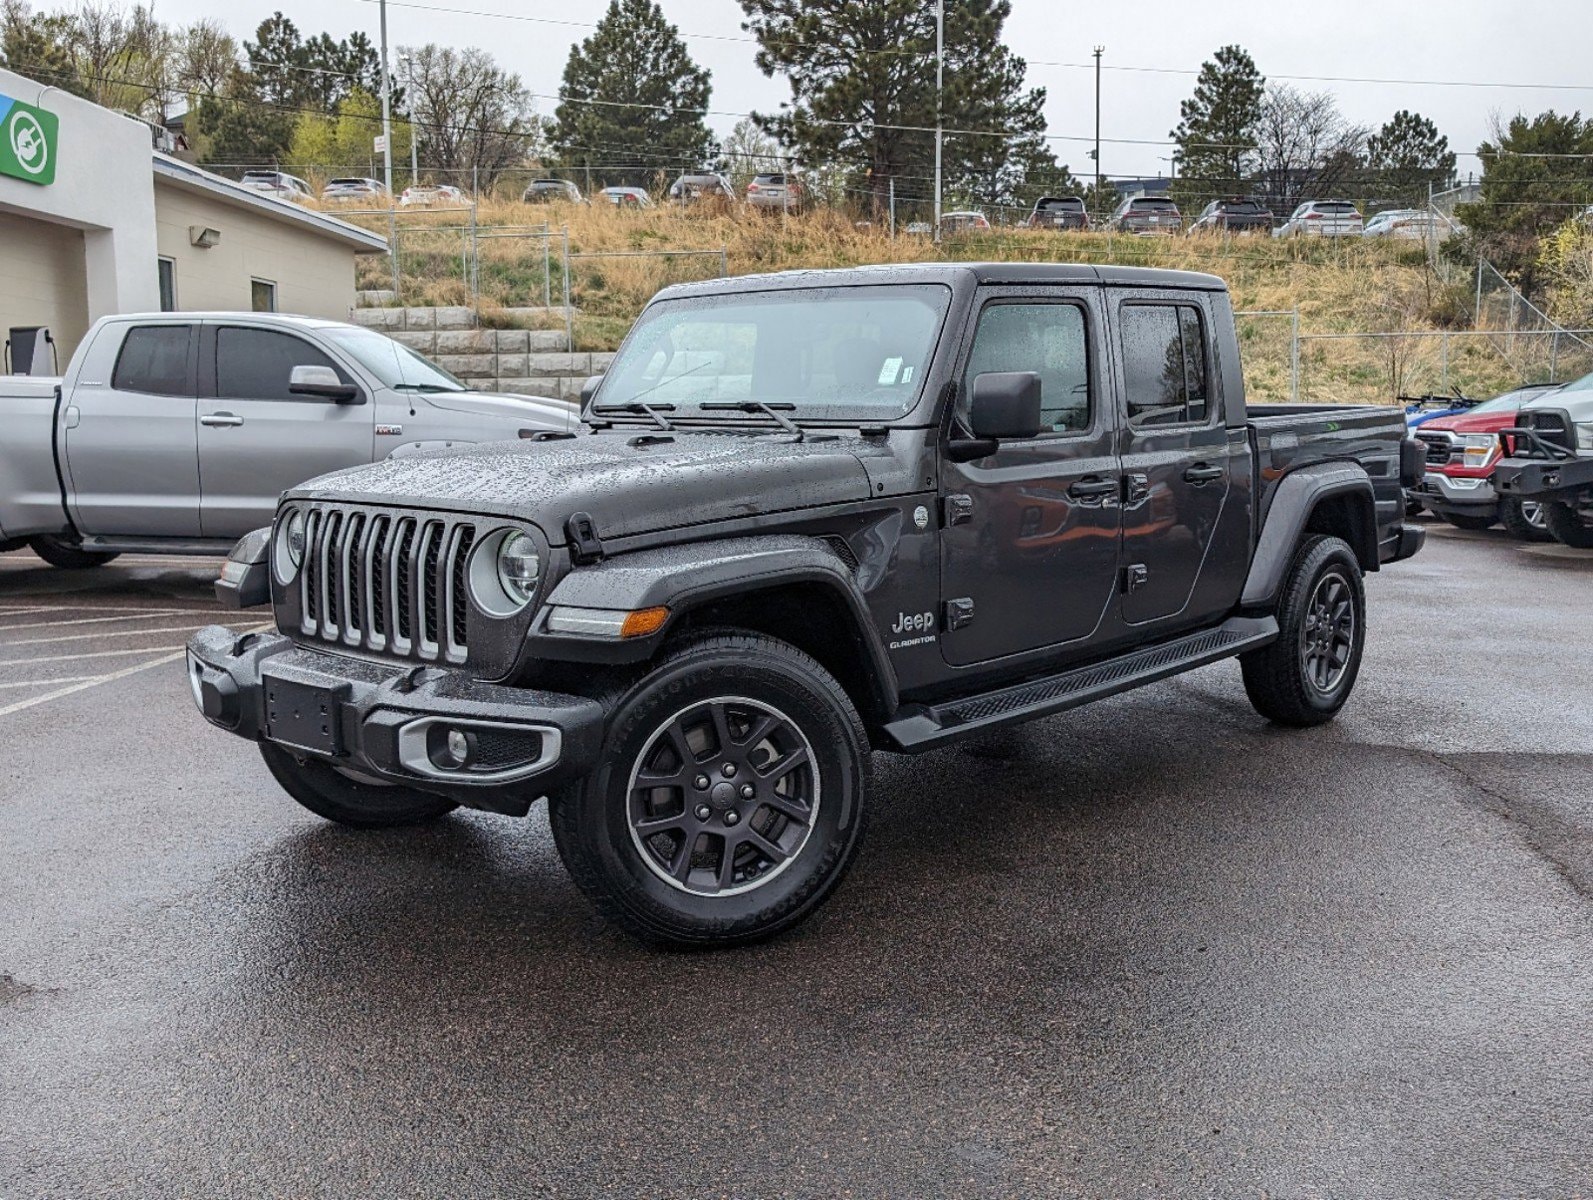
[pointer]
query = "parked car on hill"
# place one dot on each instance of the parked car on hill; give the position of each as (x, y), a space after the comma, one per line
(963, 222)
(1059, 212)
(627, 197)
(277, 183)
(813, 515)
(432, 195)
(352, 189)
(546, 191)
(1146, 215)
(776, 191)
(1550, 460)
(702, 187)
(1461, 451)
(1236, 214)
(175, 433)
(1322, 218)
(1407, 224)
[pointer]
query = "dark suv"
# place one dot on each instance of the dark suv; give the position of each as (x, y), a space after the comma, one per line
(1059, 212)
(811, 515)
(1236, 214)
(1146, 215)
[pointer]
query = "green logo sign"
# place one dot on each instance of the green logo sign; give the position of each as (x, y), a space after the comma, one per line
(27, 141)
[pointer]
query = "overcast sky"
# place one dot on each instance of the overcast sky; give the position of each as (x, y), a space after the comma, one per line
(1532, 42)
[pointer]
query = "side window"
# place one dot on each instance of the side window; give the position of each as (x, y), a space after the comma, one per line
(1164, 364)
(1047, 339)
(154, 359)
(254, 364)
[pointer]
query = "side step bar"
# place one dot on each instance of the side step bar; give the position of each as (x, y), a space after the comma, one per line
(924, 727)
(207, 547)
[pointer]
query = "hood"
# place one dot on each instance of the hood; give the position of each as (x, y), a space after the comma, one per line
(630, 481)
(1488, 422)
(545, 411)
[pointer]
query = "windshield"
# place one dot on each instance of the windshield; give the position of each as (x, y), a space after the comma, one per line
(856, 352)
(396, 365)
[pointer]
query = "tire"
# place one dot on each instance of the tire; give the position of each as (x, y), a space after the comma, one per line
(1286, 681)
(1525, 519)
(63, 554)
(333, 795)
(676, 864)
(1567, 525)
(1471, 521)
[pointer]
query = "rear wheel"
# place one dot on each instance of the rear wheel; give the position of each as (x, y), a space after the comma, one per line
(1524, 519)
(1569, 524)
(1473, 521)
(59, 553)
(1305, 676)
(364, 804)
(730, 803)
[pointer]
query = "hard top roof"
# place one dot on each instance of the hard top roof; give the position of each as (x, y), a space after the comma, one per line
(953, 274)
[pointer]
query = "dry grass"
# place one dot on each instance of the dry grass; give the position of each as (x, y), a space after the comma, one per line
(1339, 286)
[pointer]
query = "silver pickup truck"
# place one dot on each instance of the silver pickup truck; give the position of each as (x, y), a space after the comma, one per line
(176, 433)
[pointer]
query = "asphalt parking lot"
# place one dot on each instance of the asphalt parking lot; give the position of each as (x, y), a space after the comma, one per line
(1151, 948)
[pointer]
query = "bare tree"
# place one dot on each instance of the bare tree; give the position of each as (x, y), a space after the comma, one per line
(207, 55)
(470, 113)
(747, 151)
(1305, 148)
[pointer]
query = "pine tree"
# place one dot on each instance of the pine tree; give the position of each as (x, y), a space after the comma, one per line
(1216, 128)
(1408, 154)
(632, 99)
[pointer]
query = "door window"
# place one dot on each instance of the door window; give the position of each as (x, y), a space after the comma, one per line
(1164, 364)
(154, 359)
(1047, 339)
(254, 364)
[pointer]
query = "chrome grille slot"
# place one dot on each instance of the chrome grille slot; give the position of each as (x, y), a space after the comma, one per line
(386, 582)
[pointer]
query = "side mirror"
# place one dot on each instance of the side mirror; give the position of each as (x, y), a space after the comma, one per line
(589, 389)
(322, 382)
(1005, 404)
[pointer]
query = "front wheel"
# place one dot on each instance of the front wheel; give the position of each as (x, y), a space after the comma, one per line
(731, 801)
(1524, 519)
(1304, 677)
(59, 553)
(329, 793)
(1568, 524)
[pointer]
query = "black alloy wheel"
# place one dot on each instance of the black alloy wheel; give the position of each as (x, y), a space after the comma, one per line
(1327, 635)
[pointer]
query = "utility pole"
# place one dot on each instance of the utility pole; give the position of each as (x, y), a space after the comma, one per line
(1099, 50)
(940, 71)
(414, 139)
(387, 113)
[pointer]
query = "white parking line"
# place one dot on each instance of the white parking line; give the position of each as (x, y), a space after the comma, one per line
(103, 633)
(22, 662)
(141, 616)
(31, 701)
(47, 682)
(17, 610)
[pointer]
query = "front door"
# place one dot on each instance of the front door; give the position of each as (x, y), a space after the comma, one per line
(256, 438)
(1179, 463)
(129, 438)
(1029, 541)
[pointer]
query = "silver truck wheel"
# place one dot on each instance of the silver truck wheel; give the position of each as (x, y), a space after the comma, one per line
(67, 555)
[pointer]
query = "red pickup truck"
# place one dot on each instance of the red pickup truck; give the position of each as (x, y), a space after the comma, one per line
(1461, 453)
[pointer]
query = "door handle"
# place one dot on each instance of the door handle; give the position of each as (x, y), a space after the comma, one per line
(221, 419)
(1093, 488)
(1202, 473)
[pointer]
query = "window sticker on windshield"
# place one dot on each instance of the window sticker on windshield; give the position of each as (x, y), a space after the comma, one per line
(889, 370)
(907, 375)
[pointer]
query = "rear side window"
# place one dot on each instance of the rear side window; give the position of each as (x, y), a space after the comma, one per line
(1047, 339)
(254, 364)
(1164, 364)
(154, 359)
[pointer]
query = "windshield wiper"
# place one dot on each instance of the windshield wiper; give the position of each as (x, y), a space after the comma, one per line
(430, 388)
(772, 411)
(655, 411)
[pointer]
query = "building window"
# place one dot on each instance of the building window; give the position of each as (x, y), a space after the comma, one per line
(168, 284)
(262, 295)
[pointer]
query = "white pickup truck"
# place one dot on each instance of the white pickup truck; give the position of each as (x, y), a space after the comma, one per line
(177, 432)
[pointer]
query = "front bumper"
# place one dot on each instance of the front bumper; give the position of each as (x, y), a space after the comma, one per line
(1402, 544)
(393, 721)
(1441, 493)
(1543, 478)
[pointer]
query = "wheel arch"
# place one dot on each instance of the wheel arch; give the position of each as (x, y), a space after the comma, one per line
(1336, 499)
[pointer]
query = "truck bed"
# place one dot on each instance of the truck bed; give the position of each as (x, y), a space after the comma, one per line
(1286, 436)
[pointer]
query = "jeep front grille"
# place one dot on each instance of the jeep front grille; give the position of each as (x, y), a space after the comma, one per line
(389, 583)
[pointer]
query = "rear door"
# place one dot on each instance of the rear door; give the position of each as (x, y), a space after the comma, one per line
(256, 438)
(1180, 461)
(1029, 534)
(130, 442)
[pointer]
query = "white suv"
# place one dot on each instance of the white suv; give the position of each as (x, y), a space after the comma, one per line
(1323, 218)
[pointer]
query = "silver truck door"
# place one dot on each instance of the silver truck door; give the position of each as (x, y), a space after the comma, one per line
(257, 439)
(129, 438)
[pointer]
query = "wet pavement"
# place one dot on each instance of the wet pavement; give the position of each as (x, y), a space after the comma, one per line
(1151, 948)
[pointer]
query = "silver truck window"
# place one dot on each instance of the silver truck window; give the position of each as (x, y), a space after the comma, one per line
(1047, 339)
(254, 364)
(154, 359)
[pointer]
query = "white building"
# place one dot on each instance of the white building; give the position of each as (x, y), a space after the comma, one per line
(93, 222)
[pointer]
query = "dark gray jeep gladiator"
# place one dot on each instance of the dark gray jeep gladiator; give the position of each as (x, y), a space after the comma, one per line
(809, 516)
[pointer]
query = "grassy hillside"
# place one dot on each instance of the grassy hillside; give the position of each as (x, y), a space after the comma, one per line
(1349, 286)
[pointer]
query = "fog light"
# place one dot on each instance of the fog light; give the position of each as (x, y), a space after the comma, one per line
(452, 749)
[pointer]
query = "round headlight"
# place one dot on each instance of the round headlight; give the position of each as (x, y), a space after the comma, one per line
(289, 549)
(519, 568)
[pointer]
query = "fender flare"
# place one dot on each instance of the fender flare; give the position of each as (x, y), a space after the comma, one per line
(1297, 495)
(685, 577)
